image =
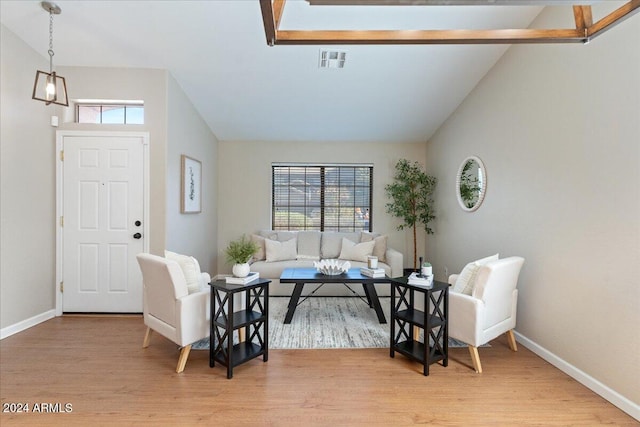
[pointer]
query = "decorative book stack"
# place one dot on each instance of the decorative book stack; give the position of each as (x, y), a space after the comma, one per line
(243, 280)
(420, 280)
(372, 272)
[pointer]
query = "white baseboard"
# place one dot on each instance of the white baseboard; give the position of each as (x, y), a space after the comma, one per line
(26, 324)
(582, 377)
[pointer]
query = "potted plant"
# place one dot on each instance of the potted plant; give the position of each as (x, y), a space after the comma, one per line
(238, 253)
(411, 201)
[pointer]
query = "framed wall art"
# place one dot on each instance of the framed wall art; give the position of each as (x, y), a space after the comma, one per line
(190, 185)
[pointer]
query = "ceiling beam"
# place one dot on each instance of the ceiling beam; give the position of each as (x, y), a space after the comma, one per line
(583, 18)
(445, 2)
(269, 21)
(614, 18)
(382, 37)
(585, 30)
(278, 8)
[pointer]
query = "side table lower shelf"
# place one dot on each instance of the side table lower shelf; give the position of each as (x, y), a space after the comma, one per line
(416, 350)
(240, 353)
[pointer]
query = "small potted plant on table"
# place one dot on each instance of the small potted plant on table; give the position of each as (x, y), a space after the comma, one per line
(239, 253)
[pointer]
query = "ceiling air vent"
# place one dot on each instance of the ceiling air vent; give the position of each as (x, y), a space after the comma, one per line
(332, 58)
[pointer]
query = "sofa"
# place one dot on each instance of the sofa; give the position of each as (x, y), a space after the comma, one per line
(287, 249)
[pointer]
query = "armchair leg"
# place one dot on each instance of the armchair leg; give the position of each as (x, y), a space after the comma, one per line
(182, 361)
(512, 340)
(147, 338)
(475, 358)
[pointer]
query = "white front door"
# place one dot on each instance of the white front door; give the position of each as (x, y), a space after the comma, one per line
(102, 224)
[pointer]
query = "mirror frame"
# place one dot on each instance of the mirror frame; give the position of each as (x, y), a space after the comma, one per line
(483, 188)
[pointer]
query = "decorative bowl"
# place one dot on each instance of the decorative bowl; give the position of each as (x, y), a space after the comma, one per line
(332, 267)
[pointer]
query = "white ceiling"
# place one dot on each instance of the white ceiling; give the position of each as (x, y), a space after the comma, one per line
(248, 91)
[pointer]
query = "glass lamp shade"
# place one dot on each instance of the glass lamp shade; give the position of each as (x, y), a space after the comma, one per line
(50, 88)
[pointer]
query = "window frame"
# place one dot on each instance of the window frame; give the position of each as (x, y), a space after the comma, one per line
(321, 170)
(102, 105)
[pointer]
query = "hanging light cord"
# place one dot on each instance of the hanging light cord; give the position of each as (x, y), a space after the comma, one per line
(51, 41)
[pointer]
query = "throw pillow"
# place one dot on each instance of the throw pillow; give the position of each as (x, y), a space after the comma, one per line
(281, 251)
(331, 243)
(259, 240)
(309, 245)
(467, 278)
(190, 268)
(380, 247)
(356, 251)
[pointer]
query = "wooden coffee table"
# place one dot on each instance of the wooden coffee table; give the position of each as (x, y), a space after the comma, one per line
(300, 276)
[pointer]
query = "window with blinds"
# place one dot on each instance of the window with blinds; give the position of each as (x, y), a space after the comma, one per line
(321, 197)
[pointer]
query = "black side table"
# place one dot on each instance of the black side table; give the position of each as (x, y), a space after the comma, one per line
(225, 320)
(406, 319)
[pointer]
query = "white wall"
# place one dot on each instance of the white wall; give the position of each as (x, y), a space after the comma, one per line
(558, 129)
(188, 134)
(27, 199)
(28, 168)
(245, 184)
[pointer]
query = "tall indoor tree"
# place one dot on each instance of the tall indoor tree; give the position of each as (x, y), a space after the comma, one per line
(411, 199)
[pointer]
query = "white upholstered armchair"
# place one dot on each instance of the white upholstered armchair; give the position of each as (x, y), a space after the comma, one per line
(490, 309)
(169, 308)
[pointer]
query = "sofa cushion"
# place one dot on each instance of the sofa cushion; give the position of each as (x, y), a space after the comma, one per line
(273, 270)
(309, 245)
(467, 278)
(280, 251)
(285, 236)
(190, 268)
(269, 234)
(259, 241)
(356, 251)
(380, 247)
(331, 243)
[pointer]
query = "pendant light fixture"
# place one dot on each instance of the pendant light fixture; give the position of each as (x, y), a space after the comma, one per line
(50, 87)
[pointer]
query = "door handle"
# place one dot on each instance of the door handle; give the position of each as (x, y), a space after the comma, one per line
(137, 236)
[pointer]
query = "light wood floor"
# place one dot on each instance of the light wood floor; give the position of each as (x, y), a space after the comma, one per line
(98, 365)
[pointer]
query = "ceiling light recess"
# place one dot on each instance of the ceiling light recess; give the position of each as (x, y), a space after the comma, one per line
(585, 29)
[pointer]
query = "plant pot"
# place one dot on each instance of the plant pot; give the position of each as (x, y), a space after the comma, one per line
(241, 270)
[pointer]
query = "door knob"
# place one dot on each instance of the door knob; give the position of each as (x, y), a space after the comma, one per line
(137, 236)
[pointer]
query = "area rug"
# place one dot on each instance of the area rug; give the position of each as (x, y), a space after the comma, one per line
(327, 322)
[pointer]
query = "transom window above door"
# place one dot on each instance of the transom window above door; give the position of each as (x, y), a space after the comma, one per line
(324, 197)
(110, 112)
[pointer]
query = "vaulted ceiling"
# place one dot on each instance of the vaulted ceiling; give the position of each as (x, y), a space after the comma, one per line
(248, 91)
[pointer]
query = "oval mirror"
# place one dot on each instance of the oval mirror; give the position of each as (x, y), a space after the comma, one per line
(471, 183)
